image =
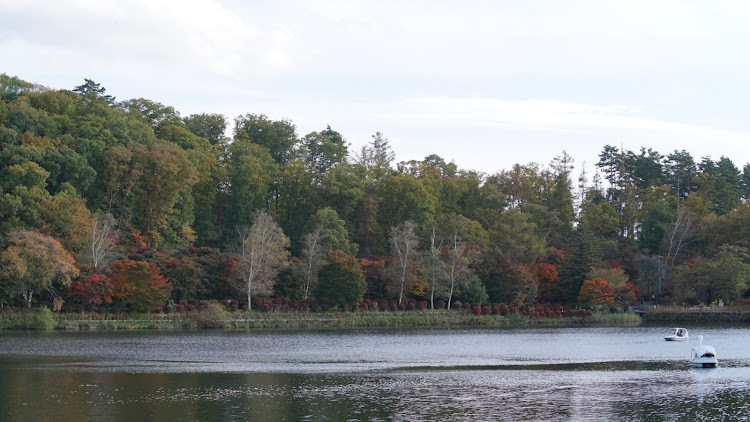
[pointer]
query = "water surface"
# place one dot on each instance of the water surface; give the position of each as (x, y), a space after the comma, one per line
(487, 374)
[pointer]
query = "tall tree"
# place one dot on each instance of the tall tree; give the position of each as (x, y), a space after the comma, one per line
(322, 151)
(459, 256)
(210, 126)
(262, 251)
(91, 90)
(278, 136)
(250, 170)
(404, 243)
(434, 264)
(164, 174)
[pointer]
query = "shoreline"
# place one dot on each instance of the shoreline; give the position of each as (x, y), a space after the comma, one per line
(307, 321)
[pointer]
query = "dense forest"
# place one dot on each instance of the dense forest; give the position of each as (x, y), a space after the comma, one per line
(127, 202)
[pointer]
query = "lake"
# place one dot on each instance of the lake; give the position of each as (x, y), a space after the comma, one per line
(581, 373)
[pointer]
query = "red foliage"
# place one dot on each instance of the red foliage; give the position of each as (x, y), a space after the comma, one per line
(95, 289)
(375, 277)
(549, 280)
(476, 310)
(633, 288)
(139, 284)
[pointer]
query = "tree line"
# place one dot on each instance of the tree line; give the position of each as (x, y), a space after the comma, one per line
(106, 201)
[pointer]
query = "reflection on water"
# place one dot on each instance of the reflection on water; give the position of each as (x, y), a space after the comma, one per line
(559, 374)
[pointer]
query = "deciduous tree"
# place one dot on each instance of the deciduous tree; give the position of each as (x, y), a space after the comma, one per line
(262, 251)
(34, 263)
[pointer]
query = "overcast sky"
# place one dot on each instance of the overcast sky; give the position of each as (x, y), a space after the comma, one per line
(485, 84)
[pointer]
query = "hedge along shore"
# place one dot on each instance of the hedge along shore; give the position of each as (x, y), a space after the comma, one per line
(696, 316)
(41, 320)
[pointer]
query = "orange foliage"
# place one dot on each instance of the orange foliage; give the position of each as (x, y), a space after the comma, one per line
(548, 279)
(597, 292)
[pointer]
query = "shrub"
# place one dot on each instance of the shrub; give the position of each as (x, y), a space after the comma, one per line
(365, 306)
(180, 308)
(43, 320)
(393, 307)
(423, 305)
(457, 304)
(402, 307)
(440, 304)
(476, 310)
(485, 310)
(213, 315)
(411, 306)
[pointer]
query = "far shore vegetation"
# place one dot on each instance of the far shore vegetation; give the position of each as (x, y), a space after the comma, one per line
(126, 214)
(216, 316)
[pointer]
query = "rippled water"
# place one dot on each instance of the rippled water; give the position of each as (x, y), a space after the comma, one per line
(474, 374)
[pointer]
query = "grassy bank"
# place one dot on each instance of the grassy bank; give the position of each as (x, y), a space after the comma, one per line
(44, 319)
(700, 315)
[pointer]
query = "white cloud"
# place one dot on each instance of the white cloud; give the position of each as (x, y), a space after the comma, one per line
(487, 83)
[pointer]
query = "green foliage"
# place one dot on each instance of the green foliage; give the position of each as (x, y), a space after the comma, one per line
(726, 276)
(44, 320)
(474, 292)
(67, 154)
(340, 280)
(214, 315)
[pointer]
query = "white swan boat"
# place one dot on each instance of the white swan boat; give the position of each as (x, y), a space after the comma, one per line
(680, 334)
(703, 356)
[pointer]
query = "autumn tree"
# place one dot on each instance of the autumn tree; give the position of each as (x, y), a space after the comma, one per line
(596, 292)
(97, 288)
(138, 284)
(548, 279)
(34, 263)
(625, 292)
(261, 252)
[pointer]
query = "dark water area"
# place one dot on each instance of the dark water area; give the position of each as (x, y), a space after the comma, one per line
(589, 373)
